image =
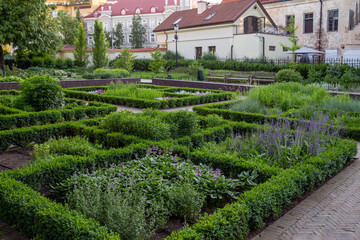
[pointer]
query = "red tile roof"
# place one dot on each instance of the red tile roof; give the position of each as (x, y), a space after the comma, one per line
(130, 6)
(226, 12)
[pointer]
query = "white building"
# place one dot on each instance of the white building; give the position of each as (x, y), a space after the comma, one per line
(152, 13)
(231, 30)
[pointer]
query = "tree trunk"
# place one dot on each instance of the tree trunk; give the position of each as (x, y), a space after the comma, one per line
(2, 61)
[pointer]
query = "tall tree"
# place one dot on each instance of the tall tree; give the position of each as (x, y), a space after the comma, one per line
(80, 54)
(118, 36)
(27, 24)
(68, 27)
(137, 32)
(109, 37)
(291, 28)
(78, 15)
(100, 58)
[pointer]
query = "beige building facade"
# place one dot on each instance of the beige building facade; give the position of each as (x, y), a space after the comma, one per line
(233, 30)
(85, 6)
(332, 26)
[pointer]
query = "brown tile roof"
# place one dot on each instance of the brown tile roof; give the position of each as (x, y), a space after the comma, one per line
(226, 12)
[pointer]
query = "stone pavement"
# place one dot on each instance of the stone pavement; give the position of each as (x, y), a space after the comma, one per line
(331, 212)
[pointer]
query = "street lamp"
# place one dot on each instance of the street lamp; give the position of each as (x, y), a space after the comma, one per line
(176, 28)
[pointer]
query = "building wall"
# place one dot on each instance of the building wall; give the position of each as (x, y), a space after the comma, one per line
(86, 7)
(220, 36)
(341, 40)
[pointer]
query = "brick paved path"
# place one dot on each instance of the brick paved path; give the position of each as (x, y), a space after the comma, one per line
(331, 212)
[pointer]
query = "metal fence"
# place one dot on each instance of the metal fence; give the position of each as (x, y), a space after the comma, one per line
(354, 62)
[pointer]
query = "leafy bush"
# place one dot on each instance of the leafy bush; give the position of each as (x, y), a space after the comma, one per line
(209, 56)
(288, 75)
(41, 93)
(60, 63)
(125, 60)
(10, 79)
(138, 125)
(158, 64)
(132, 91)
(71, 146)
(170, 55)
(183, 123)
(251, 105)
(103, 73)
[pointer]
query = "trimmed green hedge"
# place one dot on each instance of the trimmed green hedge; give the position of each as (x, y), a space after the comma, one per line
(143, 103)
(23, 119)
(39, 217)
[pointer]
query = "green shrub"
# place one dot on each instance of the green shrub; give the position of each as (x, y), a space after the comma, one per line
(170, 55)
(69, 63)
(38, 62)
(60, 63)
(10, 79)
(288, 75)
(158, 64)
(41, 93)
(71, 146)
(209, 56)
(183, 122)
(125, 60)
(134, 124)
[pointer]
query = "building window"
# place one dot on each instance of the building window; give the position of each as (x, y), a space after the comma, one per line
(137, 11)
(90, 41)
(144, 22)
(90, 27)
(272, 48)
(123, 12)
(284, 49)
(198, 52)
(290, 20)
(212, 49)
(153, 10)
(251, 25)
(308, 22)
(159, 21)
(333, 20)
(129, 38)
(351, 19)
(129, 24)
(152, 23)
(152, 38)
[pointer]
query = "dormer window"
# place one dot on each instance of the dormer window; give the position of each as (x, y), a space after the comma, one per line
(137, 11)
(210, 16)
(153, 10)
(177, 21)
(123, 12)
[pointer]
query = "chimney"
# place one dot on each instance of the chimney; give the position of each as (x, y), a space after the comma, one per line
(202, 6)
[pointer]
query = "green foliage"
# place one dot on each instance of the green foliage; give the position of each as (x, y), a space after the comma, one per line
(141, 126)
(132, 91)
(185, 200)
(36, 215)
(170, 55)
(68, 27)
(250, 105)
(194, 67)
(115, 37)
(28, 27)
(291, 28)
(288, 75)
(41, 93)
(76, 146)
(10, 79)
(104, 73)
(100, 58)
(158, 64)
(137, 32)
(209, 56)
(184, 123)
(80, 54)
(125, 60)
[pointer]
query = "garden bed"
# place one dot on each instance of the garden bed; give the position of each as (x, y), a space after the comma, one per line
(143, 96)
(290, 101)
(153, 162)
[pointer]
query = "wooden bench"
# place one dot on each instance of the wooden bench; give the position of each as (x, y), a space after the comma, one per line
(240, 77)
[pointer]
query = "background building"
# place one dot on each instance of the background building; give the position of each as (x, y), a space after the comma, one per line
(231, 30)
(85, 6)
(152, 14)
(327, 25)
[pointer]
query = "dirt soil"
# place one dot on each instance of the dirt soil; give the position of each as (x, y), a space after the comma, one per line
(14, 158)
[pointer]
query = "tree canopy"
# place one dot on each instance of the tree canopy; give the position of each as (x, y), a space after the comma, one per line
(68, 27)
(137, 32)
(100, 47)
(27, 24)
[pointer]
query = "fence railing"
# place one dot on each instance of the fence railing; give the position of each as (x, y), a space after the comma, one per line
(354, 62)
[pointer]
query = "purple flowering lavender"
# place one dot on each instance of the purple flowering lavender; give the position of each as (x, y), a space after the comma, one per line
(217, 173)
(198, 171)
(176, 157)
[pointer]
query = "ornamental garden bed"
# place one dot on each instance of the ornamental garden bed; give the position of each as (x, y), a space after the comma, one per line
(148, 96)
(72, 109)
(290, 101)
(131, 192)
